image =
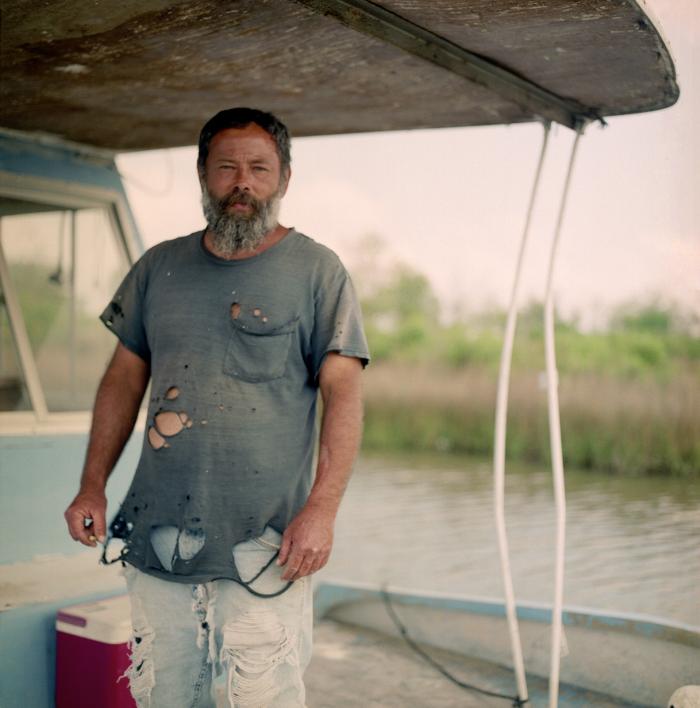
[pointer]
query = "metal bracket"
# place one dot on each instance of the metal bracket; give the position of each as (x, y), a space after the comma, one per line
(376, 21)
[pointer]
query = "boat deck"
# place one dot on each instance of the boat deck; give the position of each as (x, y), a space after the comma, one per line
(358, 667)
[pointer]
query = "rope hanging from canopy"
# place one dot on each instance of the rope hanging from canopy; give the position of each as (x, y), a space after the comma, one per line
(554, 434)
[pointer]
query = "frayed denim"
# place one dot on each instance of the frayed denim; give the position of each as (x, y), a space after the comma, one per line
(186, 634)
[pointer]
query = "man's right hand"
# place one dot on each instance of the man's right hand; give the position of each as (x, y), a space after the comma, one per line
(87, 505)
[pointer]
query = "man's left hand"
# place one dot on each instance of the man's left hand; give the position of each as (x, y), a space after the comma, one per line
(307, 542)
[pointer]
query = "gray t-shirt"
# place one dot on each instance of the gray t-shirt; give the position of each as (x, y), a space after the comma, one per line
(235, 349)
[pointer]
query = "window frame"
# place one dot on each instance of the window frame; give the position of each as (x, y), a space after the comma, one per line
(65, 195)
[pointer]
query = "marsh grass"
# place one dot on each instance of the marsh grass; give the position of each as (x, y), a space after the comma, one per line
(630, 426)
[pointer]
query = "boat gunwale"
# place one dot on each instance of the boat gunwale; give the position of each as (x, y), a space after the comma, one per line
(330, 594)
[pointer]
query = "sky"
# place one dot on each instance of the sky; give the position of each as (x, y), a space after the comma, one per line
(451, 203)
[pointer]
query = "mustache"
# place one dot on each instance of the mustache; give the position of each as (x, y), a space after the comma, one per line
(239, 196)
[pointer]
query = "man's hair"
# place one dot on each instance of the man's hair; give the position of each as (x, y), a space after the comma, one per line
(240, 118)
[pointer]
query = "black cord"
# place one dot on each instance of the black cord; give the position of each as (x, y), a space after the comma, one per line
(516, 700)
(245, 583)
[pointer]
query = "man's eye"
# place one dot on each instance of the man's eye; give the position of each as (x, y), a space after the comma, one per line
(260, 168)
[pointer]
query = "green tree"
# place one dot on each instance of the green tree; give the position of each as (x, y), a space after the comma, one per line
(401, 315)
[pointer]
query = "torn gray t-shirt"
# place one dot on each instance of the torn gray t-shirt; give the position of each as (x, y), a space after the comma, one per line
(235, 349)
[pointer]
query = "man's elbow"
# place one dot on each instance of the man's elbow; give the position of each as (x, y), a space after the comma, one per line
(128, 371)
(341, 376)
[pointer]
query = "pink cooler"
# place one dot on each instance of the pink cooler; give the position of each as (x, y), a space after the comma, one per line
(92, 652)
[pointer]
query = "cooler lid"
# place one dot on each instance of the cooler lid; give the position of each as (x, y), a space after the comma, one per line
(107, 621)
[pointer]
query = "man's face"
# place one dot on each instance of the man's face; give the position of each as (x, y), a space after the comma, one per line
(242, 186)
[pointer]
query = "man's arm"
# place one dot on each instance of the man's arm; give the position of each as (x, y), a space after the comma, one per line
(116, 408)
(307, 541)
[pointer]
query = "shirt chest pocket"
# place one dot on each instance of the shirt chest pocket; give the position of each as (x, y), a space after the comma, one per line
(258, 354)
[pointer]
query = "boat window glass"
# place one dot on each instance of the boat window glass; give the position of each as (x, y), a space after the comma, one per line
(64, 265)
(13, 390)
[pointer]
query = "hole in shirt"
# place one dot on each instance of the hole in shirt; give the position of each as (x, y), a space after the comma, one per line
(257, 312)
(168, 423)
(170, 543)
(190, 543)
(155, 440)
(235, 310)
(172, 393)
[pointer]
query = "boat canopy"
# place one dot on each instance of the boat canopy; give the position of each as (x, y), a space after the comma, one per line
(146, 74)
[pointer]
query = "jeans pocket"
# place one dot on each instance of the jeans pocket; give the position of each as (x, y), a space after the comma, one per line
(256, 354)
(254, 558)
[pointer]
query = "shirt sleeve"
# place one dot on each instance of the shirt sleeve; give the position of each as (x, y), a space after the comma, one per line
(124, 315)
(338, 321)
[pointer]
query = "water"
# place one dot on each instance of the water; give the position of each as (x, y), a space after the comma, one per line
(427, 523)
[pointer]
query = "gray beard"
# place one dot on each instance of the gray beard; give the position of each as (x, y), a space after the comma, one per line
(232, 233)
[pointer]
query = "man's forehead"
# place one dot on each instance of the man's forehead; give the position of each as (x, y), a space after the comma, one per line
(250, 139)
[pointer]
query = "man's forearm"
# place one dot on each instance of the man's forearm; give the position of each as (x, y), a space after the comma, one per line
(116, 407)
(341, 433)
(307, 541)
(115, 412)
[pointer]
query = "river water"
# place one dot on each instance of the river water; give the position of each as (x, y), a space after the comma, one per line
(426, 522)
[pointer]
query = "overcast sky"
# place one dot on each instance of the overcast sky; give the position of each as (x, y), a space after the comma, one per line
(451, 203)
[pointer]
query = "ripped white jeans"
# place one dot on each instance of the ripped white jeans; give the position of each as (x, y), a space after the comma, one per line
(183, 634)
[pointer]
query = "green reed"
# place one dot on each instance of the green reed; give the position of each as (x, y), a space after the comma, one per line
(617, 425)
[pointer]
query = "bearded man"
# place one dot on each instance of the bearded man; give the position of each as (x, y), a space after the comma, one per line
(237, 327)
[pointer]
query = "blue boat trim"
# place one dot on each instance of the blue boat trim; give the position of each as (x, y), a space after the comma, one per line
(24, 156)
(330, 594)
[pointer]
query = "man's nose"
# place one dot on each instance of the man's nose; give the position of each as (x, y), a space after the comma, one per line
(242, 178)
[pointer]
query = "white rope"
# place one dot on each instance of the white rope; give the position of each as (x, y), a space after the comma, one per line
(555, 445)
(499, 447)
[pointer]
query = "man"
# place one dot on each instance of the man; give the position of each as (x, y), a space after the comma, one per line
(237, 327)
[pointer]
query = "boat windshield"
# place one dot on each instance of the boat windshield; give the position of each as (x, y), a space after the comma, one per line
(61, 267)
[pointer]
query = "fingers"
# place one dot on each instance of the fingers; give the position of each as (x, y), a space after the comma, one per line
(294, 572)
(86, 521)
(99, 526)
(301, 565)
(73, 528)
(293, 563)
(305, 568)
(306, 544)
(77, 527)
(284, 549)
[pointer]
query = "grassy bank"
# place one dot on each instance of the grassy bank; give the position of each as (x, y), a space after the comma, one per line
(629, 391)
(627, 426)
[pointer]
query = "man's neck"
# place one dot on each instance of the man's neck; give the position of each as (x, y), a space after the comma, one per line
(269, 239)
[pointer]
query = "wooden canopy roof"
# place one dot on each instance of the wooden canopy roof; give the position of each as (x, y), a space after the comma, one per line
(139, 74)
